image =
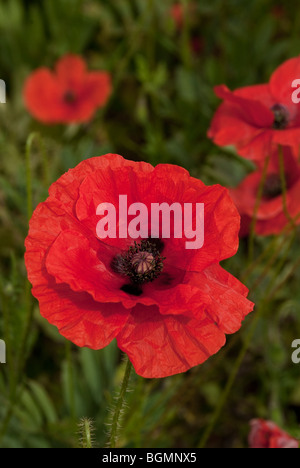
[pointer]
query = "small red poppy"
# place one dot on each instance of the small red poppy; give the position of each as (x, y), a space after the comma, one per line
(257, 118)
(271, 217)
(168, 307)
(177, 14)
(265, 434)
(70, 94)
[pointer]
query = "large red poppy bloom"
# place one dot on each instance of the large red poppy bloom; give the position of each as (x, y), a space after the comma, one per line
(70, 94)
(257, 118)
(168, 307)
(271, 217)
(265, 434)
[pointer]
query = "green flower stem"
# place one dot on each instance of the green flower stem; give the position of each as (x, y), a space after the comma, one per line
(229, 383)
(276, 245)
(28, 297)
(45, 164)
(284, 186)
(256, 208)
(286, 244)
(35, 137)
(70, 374)
(119, 405)
(273, 248)
(29, 143)
(135, 42)
(186, 39)
(151, 36)
(87, 434)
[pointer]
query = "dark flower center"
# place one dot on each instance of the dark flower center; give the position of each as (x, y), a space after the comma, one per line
(273, 186)
(142, 263)
(281, 117)
(70, 97)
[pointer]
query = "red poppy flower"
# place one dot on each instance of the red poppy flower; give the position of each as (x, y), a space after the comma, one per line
(257, 118)
(70, 94)
(271, 217)
(168, 307)
(265, 434)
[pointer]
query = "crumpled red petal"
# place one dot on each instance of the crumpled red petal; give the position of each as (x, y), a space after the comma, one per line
(165, 345)
(159, 346)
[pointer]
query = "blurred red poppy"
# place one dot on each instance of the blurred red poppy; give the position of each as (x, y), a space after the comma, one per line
(177, 14)
(271, 218)
(257, 118)
(70, 94)
(169, 308)
(265, 434)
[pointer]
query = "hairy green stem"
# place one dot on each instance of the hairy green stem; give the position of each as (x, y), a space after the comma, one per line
(119, 405)
(87, 433)
(86, 430)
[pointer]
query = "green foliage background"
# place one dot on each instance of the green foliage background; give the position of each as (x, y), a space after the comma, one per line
(160, 111)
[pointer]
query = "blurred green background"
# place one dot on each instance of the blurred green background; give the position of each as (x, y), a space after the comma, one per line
(160, 110)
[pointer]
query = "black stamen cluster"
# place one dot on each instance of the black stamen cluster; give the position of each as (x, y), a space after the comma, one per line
(281, 117)
(126, 264)
(273, 186)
